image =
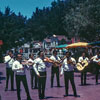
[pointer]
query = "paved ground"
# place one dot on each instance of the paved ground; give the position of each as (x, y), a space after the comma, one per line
(88, 92)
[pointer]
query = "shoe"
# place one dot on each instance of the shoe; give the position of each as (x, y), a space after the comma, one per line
(82, 84)
(32, 88)
(65, 95)
(58, 86)
(85, 84)
(35, 87)
(97, 83)
(6, 89)
(44, 98)
(76, 95)
(40, 98)
(51, 86)
(12, 89)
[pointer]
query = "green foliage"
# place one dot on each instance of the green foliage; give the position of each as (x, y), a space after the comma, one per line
(73, 18)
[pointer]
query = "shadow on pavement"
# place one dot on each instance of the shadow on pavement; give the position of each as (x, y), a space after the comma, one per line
(59, 86)
(1, 78)
(1, 73)
(49, 97)
(72, 95)
(86, 84)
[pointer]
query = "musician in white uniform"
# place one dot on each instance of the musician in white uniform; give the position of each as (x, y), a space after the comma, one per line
(55, 69)
(32, 72)
(8, 60)
(40, 69)
(96, 66)
(39, 66)
(83, 74)
(68, 70)
(19, 69)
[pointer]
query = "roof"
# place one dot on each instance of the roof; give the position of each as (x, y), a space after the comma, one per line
(60, 37)
(47, 40)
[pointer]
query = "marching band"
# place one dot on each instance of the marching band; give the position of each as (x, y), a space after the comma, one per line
(38, 71)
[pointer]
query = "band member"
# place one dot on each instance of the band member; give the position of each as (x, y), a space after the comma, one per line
(19, 69)
(83, 73)
(55, 69)
(68, 70)
(40, 69)
(32, 72)
(9, 73)
(96, 60)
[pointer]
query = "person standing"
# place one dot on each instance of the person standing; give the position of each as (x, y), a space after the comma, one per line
(55, 69)
(68, 70)
(32, 72)
(40, 69)
(96, 60)
(8, 60)
(83, 73)
(19, 69)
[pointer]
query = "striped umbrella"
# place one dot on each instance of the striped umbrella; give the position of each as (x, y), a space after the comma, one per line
(78, 44)
(97, 43)
(61, 46)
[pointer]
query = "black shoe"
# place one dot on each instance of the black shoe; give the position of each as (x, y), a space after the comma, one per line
(51, 86)
(75, 95)
(40, 98)
(97, 83)
(65, 95)
(6, 89)
(82, 84)
(32, 88)
(12, 89)
(35, 87)
(44, 98)
(85, 84)
(58, 86)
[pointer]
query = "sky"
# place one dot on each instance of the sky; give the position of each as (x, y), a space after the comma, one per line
(26, 7)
